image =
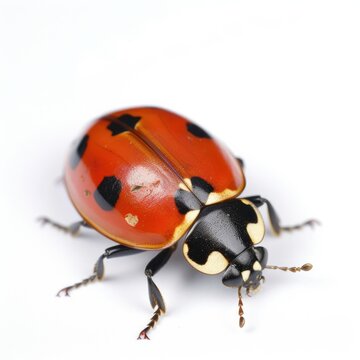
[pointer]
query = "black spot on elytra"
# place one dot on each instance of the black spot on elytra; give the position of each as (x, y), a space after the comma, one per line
(108, 192)
(186, 201)
(123, 123)
(79, 152)
(197, 131)
(201, 188)
(189, 200)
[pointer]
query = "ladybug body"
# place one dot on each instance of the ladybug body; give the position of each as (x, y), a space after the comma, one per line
(141, 176)
(147, 178)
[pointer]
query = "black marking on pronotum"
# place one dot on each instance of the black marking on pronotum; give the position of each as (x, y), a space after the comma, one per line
(108, 192)
(204, 237)
(201, 188)
(186, 201)
(79, 152)
(123, 123)
(197, 131)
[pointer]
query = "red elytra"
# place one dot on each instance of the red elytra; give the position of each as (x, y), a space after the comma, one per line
(123, 175)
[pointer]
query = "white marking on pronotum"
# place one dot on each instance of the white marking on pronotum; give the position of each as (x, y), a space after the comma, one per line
(256, 231)
(215, 263)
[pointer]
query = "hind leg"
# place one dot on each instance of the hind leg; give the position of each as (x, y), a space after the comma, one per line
(241, 162)
(72, 229)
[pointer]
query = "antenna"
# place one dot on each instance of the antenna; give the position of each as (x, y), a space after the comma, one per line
(241, 310)
(305, 267)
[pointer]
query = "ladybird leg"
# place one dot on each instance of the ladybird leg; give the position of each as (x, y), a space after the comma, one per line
(60, 180)
(241, 163)
(98, 272)
(156, 299)
(72, 229)
(274, 218)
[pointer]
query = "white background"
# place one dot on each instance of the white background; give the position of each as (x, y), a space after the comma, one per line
(277, 81)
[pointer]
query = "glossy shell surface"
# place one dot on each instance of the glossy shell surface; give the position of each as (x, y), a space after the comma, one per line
(141, 176)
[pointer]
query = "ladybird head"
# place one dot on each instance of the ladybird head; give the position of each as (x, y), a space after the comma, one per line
(246, 269)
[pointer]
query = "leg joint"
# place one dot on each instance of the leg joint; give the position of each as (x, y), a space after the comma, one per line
(149, 273)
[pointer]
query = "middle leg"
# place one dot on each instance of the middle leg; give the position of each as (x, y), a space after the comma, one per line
(72, 229)
(98, 272)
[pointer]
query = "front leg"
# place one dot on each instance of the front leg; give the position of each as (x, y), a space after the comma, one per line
(156, 299)
(258, 201)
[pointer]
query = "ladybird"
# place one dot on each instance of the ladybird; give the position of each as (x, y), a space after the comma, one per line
(149, 179)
